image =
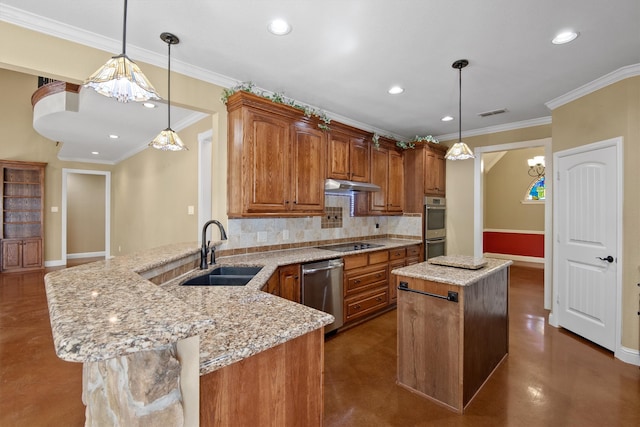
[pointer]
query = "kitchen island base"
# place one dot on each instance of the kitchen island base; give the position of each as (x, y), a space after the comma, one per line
(447, 349)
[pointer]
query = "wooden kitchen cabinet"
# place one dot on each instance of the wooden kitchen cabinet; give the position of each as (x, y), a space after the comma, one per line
(425, 172)
(401, 257)
(22, 214)
(276, 159)
(348, 156)
(289, 276)
(366, 284)
(387, 171)
(273, 284)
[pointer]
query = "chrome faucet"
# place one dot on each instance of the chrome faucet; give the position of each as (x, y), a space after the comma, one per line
(205, 246)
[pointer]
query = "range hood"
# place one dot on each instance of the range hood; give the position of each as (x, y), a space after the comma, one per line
(341, 186)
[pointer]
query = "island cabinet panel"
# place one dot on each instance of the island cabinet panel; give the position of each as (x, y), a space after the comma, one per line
(447, 349)
(348, 156)
(276, 159)
(281, 386)
(290, 282)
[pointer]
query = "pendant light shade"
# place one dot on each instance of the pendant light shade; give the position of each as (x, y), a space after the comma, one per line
(168, 139)
(459, 150)
(120, 77)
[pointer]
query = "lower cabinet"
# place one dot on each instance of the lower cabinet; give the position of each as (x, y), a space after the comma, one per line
(366, 284)
(285, 283)
(20, 254)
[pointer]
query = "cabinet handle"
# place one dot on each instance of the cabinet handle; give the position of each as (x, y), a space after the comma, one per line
(357, 306)
(286, 202)
(295, 277)
(379, 299)
(295, 202)
(356, 281)
(378, 275)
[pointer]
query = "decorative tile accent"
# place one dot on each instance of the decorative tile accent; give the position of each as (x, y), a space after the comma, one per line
(332, 217)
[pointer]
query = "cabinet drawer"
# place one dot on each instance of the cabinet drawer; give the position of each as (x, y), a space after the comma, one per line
(355, 261)
(365, 304)
(378, 257)
(412, 260)
(397, 253)
(413, 251)
(366, 278)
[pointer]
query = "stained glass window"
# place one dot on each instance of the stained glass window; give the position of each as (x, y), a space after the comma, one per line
(536, 189)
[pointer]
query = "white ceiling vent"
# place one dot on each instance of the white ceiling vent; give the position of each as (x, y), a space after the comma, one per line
(492, 112)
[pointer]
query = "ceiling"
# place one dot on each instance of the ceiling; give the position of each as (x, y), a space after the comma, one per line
(343, 56)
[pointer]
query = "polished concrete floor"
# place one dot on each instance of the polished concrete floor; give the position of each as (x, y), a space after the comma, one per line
(550, 378)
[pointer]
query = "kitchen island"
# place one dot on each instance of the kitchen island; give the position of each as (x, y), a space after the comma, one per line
(261, 351)
(453, 326)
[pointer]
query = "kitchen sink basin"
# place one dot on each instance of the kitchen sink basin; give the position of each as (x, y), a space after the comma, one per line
(224, 276)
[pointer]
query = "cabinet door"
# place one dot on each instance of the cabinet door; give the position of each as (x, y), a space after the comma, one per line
(269, 160)
(32, 253)
(396, 182)
(379, 176)
(359, 159)
(11, 254)
(338, 163)
(290, 282)
(434, 177)
(273, 285)
(308, 172)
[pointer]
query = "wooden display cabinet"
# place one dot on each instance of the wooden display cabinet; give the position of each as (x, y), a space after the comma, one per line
(349, 155)
(425, 175)
(22, 215)
(387, 171)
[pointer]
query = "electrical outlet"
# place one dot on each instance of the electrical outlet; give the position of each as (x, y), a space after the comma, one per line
(285, 234)
(262, 236)
(54, 209)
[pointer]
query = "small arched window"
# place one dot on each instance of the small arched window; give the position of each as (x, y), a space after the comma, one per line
(535, 192)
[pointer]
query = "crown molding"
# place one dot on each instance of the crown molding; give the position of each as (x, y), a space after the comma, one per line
(498, 128)
(599, 83)
(63, 31)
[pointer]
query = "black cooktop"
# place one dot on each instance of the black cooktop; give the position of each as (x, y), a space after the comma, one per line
(348, 247)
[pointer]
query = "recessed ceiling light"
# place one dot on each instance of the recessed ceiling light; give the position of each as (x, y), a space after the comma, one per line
(149, 105)
(95, 153)
(279, 27)
(394, 90)
(447, 118)
(114, 136)
(565, 37)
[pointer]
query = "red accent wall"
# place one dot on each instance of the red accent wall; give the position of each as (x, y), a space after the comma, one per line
(514, 243)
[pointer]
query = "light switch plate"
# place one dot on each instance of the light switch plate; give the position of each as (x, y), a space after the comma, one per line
(190, 210)
(54, 209)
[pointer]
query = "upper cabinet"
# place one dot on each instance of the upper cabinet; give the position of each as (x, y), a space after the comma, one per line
(387, 171)
(425, 170)
(276, 159)
(349, 156)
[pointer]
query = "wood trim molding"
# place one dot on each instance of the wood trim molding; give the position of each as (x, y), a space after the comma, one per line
(51, 89)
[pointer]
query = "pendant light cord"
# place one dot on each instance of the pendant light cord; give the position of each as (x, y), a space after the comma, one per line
(169, 88)
(460, 105)
(124, 29)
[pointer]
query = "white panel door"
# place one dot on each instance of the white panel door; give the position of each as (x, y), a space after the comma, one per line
(587, 242)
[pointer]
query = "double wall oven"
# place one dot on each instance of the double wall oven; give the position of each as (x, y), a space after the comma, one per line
(435, 233)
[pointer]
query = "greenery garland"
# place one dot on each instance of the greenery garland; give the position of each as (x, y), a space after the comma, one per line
(279, 98)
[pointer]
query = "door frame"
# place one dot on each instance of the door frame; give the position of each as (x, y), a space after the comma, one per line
(617, 143)
(107, 209)
(478, 205)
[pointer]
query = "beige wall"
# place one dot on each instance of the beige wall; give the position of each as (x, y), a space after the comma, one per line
(33, 54)
(505, 187)
(460, 233)
(85, 213)
(608, 113)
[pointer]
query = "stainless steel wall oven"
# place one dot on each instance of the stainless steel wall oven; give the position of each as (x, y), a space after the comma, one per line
(435, 227)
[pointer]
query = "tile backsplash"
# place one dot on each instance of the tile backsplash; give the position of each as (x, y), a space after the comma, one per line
(254, 233)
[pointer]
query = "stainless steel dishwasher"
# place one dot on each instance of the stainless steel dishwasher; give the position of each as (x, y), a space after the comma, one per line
(322, 289)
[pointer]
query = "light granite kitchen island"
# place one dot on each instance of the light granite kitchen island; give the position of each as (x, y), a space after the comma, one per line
(129, 315)
(453, 326)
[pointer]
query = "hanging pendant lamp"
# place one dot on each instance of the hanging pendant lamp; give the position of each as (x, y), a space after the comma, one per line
(459, 150)
(120, 77)
(168, 139)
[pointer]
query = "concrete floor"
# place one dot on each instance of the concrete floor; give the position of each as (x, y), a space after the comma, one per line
(550, 378)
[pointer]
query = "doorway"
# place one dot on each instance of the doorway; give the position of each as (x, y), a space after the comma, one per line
(76, 193)
(478, 216)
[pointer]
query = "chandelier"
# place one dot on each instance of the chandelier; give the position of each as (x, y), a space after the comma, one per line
(536, 166)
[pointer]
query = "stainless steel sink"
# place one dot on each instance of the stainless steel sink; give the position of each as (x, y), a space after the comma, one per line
(224, 276)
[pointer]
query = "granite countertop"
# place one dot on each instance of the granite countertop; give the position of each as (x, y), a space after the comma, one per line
(106, 309)
(459, 276)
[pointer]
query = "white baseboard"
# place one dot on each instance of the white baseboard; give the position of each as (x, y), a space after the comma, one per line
(55, 263)
(86, 255)
(628, 355)
(515, 257)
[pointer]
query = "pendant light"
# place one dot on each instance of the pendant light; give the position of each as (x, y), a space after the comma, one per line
(120, 77)
(459, 150)
(168, 140)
